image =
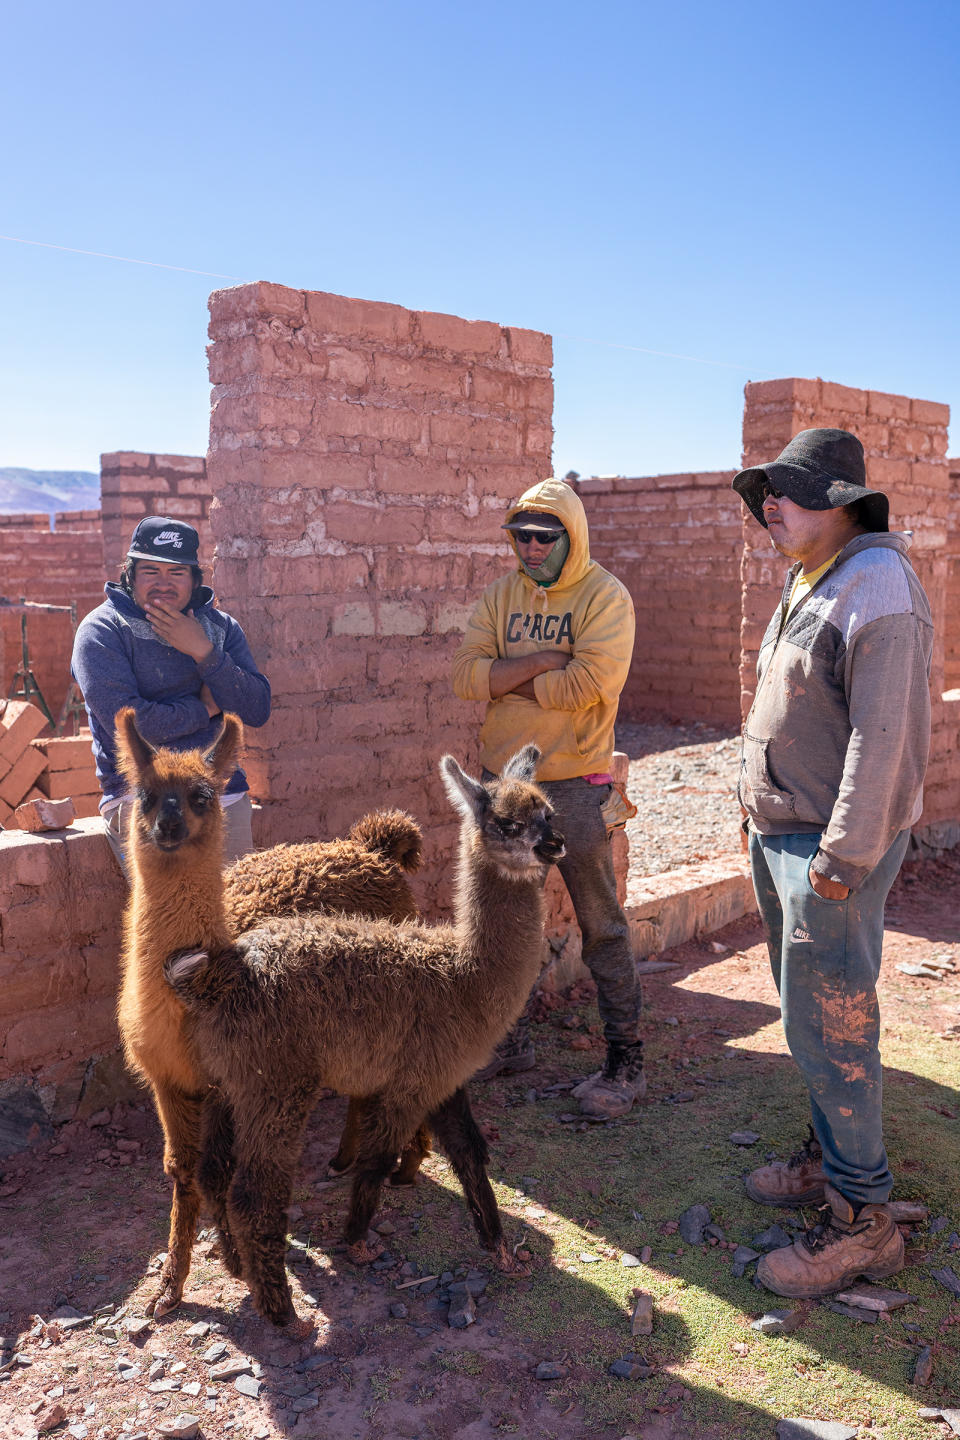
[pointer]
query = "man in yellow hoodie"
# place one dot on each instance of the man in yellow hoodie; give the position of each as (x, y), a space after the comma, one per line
(548, 648)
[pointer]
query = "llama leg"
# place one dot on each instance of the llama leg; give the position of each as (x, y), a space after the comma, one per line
(384, 1132)
(267, 1148)
(215, 1172)
(412, 1158)
(180, 1117)
(349, 1139)
(457, 1133)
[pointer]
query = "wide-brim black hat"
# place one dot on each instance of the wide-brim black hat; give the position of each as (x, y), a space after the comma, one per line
(818, 470)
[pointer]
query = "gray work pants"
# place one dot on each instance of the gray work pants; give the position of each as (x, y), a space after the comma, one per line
(237, 831)
(587, 870)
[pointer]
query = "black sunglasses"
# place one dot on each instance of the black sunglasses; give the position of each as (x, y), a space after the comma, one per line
(767, 492)
(541, 537)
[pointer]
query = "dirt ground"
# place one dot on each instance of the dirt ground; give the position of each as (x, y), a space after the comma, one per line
(83, 1221)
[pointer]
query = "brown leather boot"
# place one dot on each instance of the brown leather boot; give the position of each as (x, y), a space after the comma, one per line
(836, 1251)
(797, 1181)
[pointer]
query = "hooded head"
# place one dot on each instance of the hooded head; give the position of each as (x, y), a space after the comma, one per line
(569, 559)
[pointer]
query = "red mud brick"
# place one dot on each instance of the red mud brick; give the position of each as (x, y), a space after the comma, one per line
(20, 723)
(530, 347)
(449, 332)
(61, 784)
(68, 753)
(37, 815)
(843, 397)
(929, 412)
(19, 780)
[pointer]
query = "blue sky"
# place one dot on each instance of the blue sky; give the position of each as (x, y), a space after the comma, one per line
(769, 188)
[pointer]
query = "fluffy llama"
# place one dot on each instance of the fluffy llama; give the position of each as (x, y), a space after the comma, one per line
(178, 897)
(402, 1014)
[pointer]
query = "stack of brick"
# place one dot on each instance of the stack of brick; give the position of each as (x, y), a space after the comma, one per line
(905, 443)
(35, 520)
(362, 456)
(70, 772)
(674, 541)
(133, 485)
(50, 568)
(20, 763)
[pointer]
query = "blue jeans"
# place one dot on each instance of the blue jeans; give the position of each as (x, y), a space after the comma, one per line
(825, 957)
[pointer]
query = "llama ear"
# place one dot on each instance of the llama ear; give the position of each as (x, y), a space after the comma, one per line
(523, 765)
(224, 754)
(134, 753)
(466, 795)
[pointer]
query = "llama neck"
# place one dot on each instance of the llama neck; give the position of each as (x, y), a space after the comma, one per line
(499, 921)
(177, 900)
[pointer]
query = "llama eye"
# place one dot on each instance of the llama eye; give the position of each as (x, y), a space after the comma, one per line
(510, 827)
(147, 799)
(199, 801)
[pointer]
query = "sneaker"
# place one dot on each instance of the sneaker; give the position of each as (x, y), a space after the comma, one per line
(836, 1251)
(514, 1053)
(611, 1091)
(798, 1181)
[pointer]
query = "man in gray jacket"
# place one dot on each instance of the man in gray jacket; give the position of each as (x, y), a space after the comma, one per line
(834, 752)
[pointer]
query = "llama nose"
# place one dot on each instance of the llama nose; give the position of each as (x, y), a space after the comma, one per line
(169, 825)
(552, 847)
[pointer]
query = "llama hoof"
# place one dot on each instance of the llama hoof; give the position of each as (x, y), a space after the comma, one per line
(165, 1300)
(335, 1171)
(508, 1264)
(298, 1329)
(402, 1182)
(362, 1253)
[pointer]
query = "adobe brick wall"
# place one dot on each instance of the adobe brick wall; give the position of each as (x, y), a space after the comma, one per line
(674, 541)
(905, 442)
(52, 567)
(951, 637)
(133, 484)
(78, 520)
(362, 456)
(61, 898)
(32, 521)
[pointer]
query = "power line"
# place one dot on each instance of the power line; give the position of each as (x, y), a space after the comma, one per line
(127, 259)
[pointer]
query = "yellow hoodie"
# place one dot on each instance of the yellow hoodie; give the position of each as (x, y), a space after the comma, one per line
(588, 614)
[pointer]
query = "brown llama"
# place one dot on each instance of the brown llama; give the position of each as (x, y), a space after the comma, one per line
(401, 1014)
(178, 897)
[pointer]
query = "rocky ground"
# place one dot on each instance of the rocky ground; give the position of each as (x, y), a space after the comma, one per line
(430, 1342)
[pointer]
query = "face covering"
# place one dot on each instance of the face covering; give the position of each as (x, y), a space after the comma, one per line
(547, 573)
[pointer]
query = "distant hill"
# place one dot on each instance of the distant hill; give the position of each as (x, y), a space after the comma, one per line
(46, 491)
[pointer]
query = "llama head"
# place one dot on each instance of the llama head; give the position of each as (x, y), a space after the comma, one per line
(512, 819)
(176, 792)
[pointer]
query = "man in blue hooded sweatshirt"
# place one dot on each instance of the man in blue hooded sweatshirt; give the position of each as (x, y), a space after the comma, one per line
(158, 643)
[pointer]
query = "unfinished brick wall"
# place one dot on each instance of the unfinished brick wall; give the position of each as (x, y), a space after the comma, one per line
(78, 520)
(674, 541)
(362, 456)
(133, 485)
(61, 898)
(53, 567)
(905, 443)
(33, 521)
(951, 638)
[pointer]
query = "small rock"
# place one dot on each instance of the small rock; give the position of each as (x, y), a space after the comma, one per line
(136, 1326)
(671, 1020)
(163, 1387)
(653, 967)
(713, 1232)
(97, 1121)
(399, 1311)
(126, 1371)
(692, 1223)
(641, 1320)
(49, 1418)
(230, 1369)
(181, 1427)
(385, 1227)
(948, 1278)
(874, 1297)
(587, 1258)
(744, 1137)
(923, 1367)
(214, 1352)
(550, 1370)
(463, 1311)
(778, 1322)
(940, 1223)
(646, 1254)
(198, 1331)
(773, 1238)
(156, 1371)
(718, 947)
(742, 1257)
(852, 1312)
(626, 1259)
(631, 1367)
(248, 1385)
(474, 1285)
(306, 1402)
(814, 1430)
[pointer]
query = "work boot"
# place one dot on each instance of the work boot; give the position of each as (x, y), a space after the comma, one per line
(514, 1053)
(798, 1181)
(611, 1091)
(834, 1252)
